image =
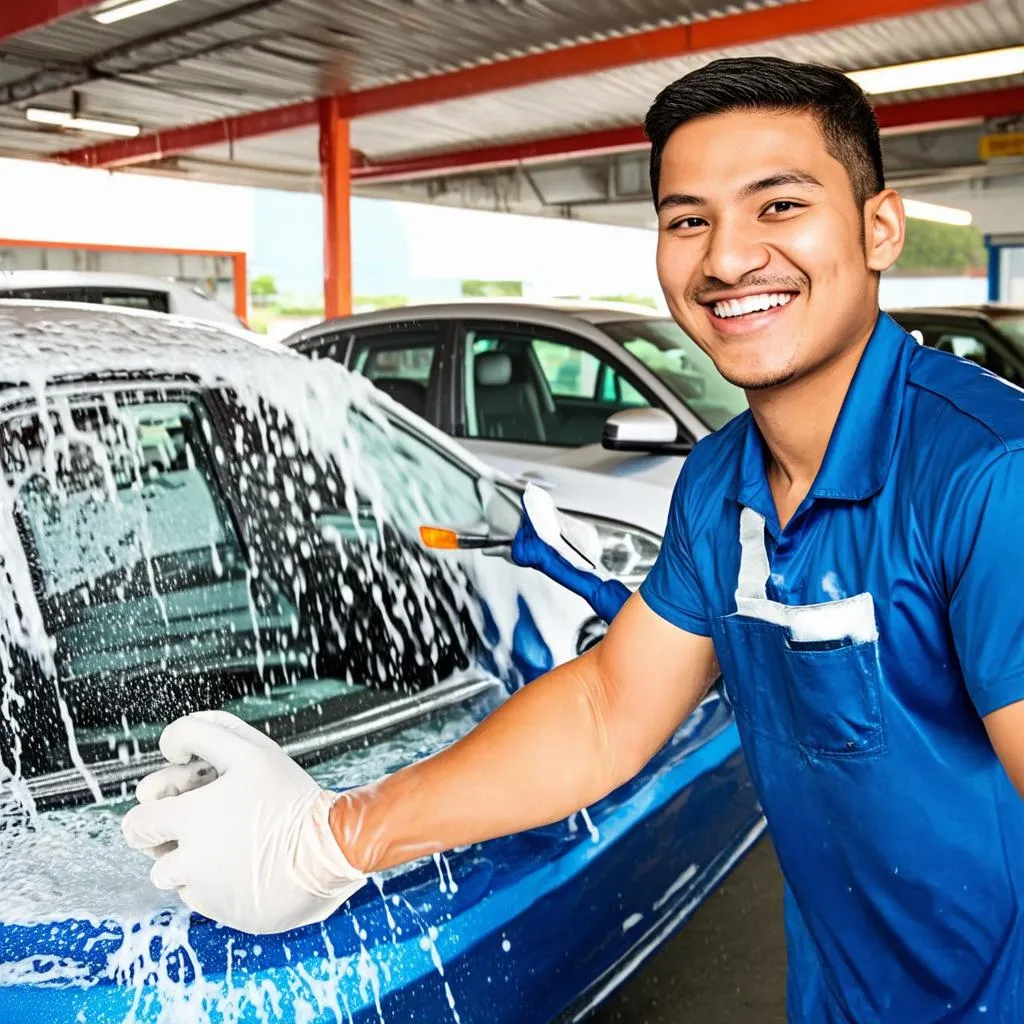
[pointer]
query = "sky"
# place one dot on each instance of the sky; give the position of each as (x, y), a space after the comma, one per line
(424, 252)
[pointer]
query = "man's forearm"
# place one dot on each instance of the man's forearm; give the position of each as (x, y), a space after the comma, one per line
(544, 754)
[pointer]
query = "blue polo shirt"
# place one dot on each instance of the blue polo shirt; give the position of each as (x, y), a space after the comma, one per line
(861, 647)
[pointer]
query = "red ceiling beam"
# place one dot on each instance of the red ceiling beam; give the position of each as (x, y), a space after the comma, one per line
(891, 117)
(562, 147)
(175, 141)
(968, 106)
(739, 29)
(17, 16)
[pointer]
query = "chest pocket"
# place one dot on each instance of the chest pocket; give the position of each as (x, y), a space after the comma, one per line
(803, 676)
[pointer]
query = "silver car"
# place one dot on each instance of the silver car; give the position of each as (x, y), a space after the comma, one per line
(544, 391)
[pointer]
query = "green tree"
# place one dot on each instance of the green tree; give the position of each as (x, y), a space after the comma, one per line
(492, 289)
(934, 247)
(360, 302)
(263, 288)
(632, 300)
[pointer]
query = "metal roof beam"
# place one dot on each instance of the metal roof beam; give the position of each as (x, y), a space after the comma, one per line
(533, 151)
(892, 117)
(18, 16)
(739, 29)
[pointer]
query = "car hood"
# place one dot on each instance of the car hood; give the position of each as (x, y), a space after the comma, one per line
(418, 928)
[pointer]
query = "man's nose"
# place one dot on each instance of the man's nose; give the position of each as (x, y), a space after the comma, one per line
(733, 251)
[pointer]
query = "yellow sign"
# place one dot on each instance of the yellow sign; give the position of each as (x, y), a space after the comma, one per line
(1005, 144)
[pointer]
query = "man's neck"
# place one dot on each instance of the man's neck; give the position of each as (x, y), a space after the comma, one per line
(796, 422)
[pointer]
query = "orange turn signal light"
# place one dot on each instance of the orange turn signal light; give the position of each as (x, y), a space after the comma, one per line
(437, 538)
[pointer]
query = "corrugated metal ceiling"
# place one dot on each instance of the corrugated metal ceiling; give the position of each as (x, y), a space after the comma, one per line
(199, 60)
(621, 97)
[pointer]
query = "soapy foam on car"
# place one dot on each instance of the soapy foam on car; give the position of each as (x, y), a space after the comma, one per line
(73, 864)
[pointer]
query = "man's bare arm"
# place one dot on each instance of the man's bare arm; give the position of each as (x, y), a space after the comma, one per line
(560, 744)
(1006, 731)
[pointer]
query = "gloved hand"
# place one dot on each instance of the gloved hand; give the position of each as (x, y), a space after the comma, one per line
(568, 551)
(243, 834)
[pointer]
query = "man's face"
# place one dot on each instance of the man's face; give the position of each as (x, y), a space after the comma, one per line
(761, 246)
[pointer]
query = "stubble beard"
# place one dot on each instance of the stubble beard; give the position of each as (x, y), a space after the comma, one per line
(759, 383)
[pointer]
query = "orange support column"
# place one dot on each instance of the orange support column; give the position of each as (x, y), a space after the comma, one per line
(241, 274)
(336, 173)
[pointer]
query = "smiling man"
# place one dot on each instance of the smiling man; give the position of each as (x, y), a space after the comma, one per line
(845, 550)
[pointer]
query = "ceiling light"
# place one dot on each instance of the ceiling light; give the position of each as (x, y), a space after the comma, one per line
(926, 74)
(121, 11)
(933, 211)
(62, 119)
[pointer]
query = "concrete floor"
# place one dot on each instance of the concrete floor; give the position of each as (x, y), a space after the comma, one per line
(726, 966)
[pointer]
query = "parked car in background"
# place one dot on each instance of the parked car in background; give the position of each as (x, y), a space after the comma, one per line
(194, 519)
(991, 335)
(131, 291)
(545, 391)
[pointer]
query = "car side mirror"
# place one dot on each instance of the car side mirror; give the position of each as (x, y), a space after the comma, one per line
(644, 430)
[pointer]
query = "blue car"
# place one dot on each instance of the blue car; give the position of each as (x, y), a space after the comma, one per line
(191, 519)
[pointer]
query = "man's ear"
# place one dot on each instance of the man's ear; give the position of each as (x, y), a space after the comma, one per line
(884, 229)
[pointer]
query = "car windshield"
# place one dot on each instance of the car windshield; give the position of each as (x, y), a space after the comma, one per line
(1011, 323)
(664, 348)
(170, 576)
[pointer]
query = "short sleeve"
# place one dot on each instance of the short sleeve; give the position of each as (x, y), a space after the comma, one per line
(671, 589)
(985, 565)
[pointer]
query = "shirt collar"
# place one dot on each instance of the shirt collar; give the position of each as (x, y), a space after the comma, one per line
(860, 450)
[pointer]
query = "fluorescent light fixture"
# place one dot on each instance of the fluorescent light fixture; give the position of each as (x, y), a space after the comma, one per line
(926, 74)
(933, 211)
(62, 119)
(119, 12)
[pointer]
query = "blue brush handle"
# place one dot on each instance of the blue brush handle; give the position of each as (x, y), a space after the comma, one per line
(606, 597)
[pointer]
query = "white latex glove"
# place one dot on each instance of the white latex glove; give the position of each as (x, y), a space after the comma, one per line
(249, 846)
(576, 540)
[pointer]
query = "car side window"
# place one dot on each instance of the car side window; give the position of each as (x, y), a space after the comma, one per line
(133, 298)
(530, 386)
(616, 389)
(570, 372)
(47, 294)
(402, 363)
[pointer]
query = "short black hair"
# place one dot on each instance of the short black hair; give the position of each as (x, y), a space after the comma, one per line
(845, 117)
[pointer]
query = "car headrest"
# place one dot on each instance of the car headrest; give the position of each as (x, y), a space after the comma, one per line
(492, 369)
(409, 393)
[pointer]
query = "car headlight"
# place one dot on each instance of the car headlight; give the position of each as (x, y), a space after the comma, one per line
(627, 552)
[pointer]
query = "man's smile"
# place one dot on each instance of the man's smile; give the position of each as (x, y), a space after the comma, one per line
(745, 314)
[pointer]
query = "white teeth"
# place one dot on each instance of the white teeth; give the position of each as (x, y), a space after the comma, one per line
(750, 304)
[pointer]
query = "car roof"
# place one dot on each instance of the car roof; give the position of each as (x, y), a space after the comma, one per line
(554, 313)
(993, 309)
(51, 340)
(10, 279)
(577, 307)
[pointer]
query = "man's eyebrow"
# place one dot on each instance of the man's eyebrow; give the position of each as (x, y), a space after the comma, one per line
(778, 181)
(679, 199)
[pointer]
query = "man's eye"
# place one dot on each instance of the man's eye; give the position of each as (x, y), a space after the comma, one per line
(782, 206)
(687, 222)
